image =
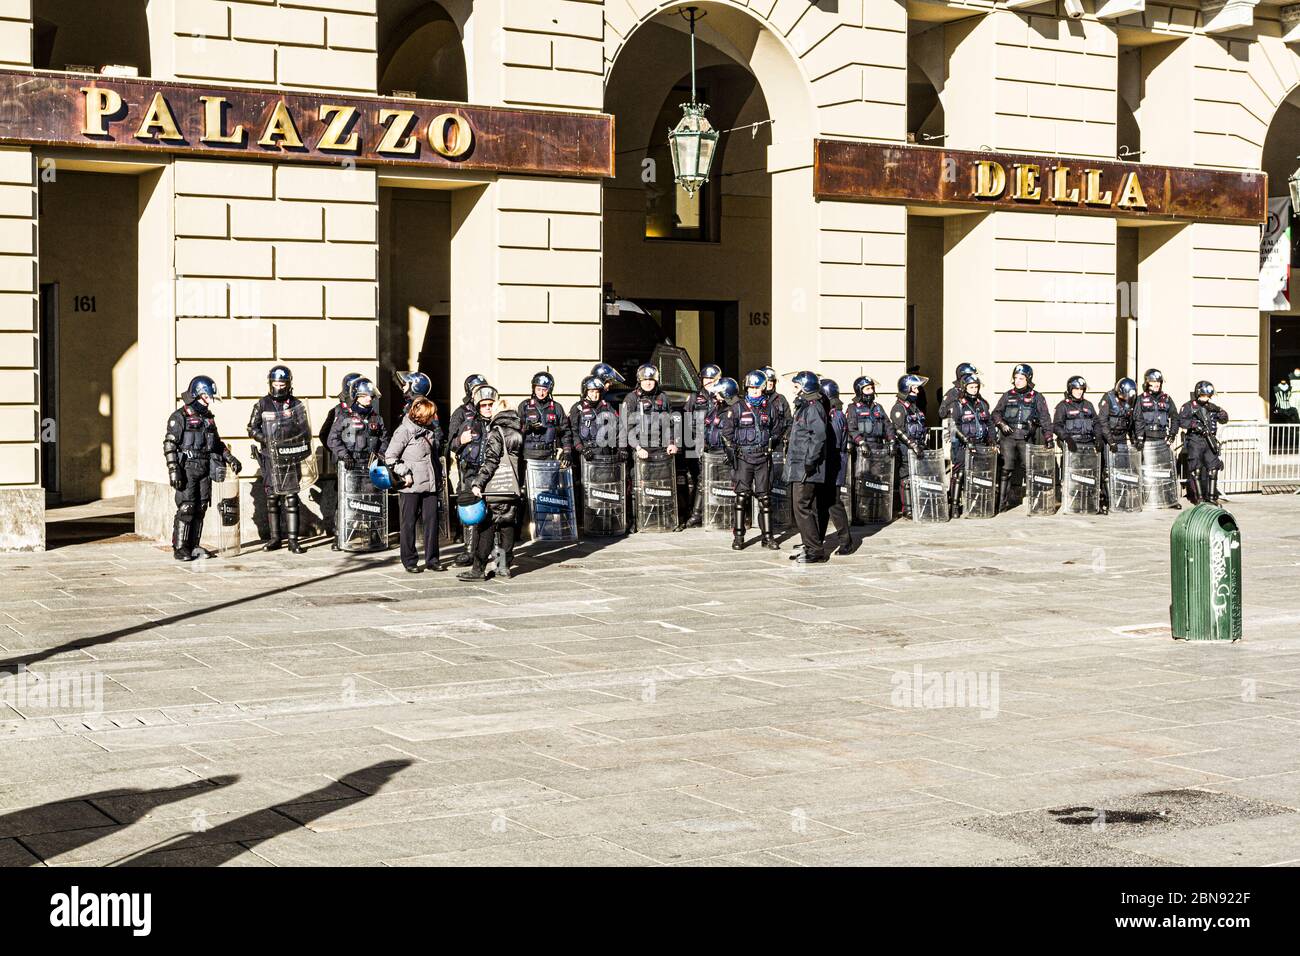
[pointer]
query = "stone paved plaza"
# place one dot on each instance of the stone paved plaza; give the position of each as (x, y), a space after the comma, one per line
(658, 700)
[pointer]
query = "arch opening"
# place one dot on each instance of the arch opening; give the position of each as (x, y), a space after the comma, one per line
(75, 35)
(1279, 299)
(421, 52)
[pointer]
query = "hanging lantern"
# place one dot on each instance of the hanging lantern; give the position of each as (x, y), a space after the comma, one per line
(693, 141)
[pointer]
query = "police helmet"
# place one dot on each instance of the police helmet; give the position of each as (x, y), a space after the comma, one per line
(280, 375)
(808, 382)
(381, 476)
(544, 380)
(484, 393)
(710, 372)
(1025, 369)
(911, 381)
(1153, 377)
(363, 386)
(473, 382)
(1126, 388)
(346, 388)
(1076, 381)
(607, 373)
(725, 389)
(201, 385)
(861, 384)
(964, 369)
(414, 384)
(970, 378)
(590, 382)
(756, 378)
(647, 371)
(772, 377)
(831, 389)
(1204, 388)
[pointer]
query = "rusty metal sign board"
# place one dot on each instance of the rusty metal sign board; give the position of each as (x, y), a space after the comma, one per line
(971, 179)
(117, 113)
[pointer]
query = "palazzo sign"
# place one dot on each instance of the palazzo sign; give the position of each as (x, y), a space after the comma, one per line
(970, 179)
(98, 112)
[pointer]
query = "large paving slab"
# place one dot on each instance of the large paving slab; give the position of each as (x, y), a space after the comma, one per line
(999, 692)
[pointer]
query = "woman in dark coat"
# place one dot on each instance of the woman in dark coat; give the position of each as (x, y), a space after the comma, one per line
(415, 455)
(500, 483)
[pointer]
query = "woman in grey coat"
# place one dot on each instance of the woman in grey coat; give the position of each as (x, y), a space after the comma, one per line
(414, 455)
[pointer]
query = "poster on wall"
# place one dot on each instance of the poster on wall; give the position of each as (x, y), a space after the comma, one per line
(1275, 257)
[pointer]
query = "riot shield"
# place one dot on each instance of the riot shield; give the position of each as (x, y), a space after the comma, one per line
(288, 465)
(979, 489)
(362, 514)
(927, 492)
(655, 487)
(719, 493)
(781, 502)
(1081, 482)
(604, 502)
(1044, 499)
(446, 536)
(550, 501)
(1159, 482)
(873, 479)
(1123, 481)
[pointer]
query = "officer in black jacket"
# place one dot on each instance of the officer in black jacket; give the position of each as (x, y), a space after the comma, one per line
(949, 398)
(1021, 416)
(780, 407)
(593, 426)
(466, 443)
(697, 408)
(1075, 420)
(1155, 415)
(972, 428)
(359, 432)
(832, 509)
(908, 419)
(544, 422)
(870, 428)
(749, 437)
(278, 403)
(190, 447)
(1200, 419)
(809, 454)
(651, 424)
(1115, 414)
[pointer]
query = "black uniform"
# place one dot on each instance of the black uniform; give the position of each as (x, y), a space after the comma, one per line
(1075, 423)
(972, 426)
(593, 427)
(838, 477)
(1200, 421)
(1021, 416)
(191, 448)
(358, 433)
(1154, 418)
(469, 458)
(546, 428)
(869, 425)
(749, 435)
(278, 406)
(1114, 420)
(697, 409)
(908, 419)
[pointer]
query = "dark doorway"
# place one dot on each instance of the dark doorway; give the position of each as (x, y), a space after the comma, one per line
(50, 391)
(708, 331)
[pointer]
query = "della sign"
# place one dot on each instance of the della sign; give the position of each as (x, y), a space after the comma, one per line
(97, 112)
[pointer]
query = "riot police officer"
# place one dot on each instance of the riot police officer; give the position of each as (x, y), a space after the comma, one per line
(838, 473)
(722, 392)
(693, 415)
(344, 397)
(608, 375)
(1115, 414)
(413, 385)
(277, 406)
(1075, 420)
(544, 422)
(593, 422)
(1200, 419)
(951, 396)
(1021, 416)
(749, 437)
(649, 421)
(1155, 416)
(190, 447)
(780, 407)
(972, 428)
(359, 433)
(908, 419)
(470, 430)
(870, 427)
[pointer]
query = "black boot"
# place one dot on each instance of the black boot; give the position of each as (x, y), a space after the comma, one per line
(272, 523)
(738, 522)
(697, 512)
(475, 573)
(466, 557)
(181, 539)
(1004, 494)
(291, 524)
(954, 494)
(768, 540)
(197, 551)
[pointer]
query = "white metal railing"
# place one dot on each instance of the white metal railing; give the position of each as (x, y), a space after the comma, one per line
(1256, 456)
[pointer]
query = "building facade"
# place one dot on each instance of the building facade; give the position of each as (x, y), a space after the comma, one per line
(134, 255)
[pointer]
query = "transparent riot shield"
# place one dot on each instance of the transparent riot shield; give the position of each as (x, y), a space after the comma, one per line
(446, 535)
(979, 489)
(719, 492)
(873, 480)
(220, 531)
(1081, 482)
(604, 496)
(1044, 499)
(927, 492)
(362, 514)
(781, 502)
(1123, 480)
(288, 465)
(550, 501)
(655, 487)
(1159, 481)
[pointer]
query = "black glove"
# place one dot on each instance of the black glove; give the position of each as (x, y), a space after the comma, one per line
(1114, 447)
(1071, 444)
(175, 478)
(234, 463)
(588, 454)
(1004, 428)
(564, 459)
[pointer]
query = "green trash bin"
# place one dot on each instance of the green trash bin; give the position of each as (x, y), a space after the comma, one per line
(1205, 575)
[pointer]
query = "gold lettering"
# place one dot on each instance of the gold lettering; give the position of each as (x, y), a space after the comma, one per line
(1092, 189)
(214, 122)
(159, 117)
(1061, 191)
(101, 106)
(990, 179)
(397, 124)
(281, 126)
(1026, 183)
(340, 119)
(460, 141)
(1130, 193)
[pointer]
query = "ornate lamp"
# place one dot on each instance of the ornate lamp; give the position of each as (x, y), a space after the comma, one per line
(693, 141)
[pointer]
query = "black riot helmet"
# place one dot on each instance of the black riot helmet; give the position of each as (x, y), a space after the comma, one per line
(831, 389)
(1204, 390)
(725, 390)
(1076, 381)
(473, 382)
(1153, 380)
(1025, 369)
(280, 380)
(348, 381)
(607, 373)
(860, 386)
(964, 369)
(544, 380)
(969, 379)
(202, 386)
(909, 382)
(1126, 388)
(710, 373)
(592, 382)
(808, 382)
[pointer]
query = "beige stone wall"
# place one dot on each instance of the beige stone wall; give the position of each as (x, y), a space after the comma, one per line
(15, 33)
(19, 341)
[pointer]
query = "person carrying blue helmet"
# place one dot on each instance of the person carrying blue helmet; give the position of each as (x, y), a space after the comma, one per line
(191, 447)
